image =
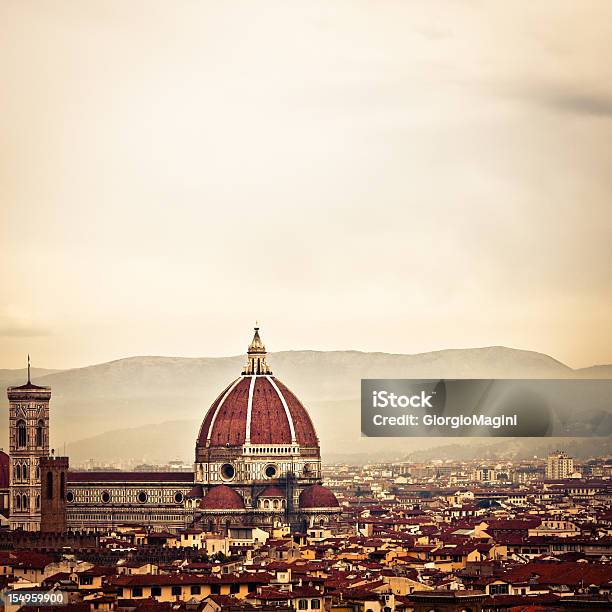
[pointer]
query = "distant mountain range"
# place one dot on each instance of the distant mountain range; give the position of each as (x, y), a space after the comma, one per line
(150, 408)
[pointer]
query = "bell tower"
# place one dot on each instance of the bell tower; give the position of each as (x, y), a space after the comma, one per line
(28, 441)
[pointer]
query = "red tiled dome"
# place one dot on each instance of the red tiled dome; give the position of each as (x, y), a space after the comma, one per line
(317, 496)
(5, 462)
(272, 491)
(222, 497)
(260, 410)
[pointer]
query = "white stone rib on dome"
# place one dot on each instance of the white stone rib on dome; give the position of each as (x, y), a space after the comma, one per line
(287, 411)
(212, 422)
(250, 410)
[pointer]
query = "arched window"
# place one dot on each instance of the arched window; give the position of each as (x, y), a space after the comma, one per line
(18, 502)
(17, 472)
(25, 502)
(40, 433)
(22, 436)
(62, 485)
(49, 485)
(266, 504)
(24, 472)
(38, 502)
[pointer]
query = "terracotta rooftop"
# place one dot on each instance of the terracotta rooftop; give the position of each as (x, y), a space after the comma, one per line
(222, 497)
(318, 496)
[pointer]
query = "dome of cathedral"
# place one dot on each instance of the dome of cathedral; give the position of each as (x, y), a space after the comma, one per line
(256, 408)
(317, 496)
(222, 497)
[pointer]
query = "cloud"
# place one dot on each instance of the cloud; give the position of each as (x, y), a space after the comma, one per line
(8, 331)
(12, 326)
(591, 104)
(583, 100)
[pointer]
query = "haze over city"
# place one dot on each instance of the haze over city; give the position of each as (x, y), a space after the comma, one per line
(383, 177)
(306, 306)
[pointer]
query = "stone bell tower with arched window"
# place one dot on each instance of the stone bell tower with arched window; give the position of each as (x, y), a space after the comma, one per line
(29, 441)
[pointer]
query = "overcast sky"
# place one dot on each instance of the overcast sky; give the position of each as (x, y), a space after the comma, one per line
(391, 176)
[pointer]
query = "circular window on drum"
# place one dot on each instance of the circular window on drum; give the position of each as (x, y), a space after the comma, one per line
(142, 497)
(179, 497)
(106, 497)
(271, 471)
(70, 497)
(227, 471)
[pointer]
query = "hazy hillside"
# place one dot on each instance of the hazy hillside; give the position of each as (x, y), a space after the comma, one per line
(511, 448)
(598, 371)
(18, 377)
(145, 444)
(121, 409)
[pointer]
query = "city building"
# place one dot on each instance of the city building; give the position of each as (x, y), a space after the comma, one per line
(257, 463)
(559, 466)
(486, 474)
